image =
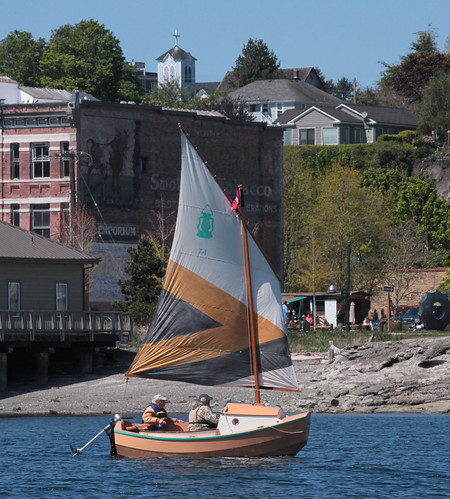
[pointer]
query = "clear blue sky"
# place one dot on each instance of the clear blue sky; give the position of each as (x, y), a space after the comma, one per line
(340, 37)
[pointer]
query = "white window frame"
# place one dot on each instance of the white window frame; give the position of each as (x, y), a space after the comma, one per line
(14, 301)
(307, 130)
(65, 161)
(15, 161)
(336, 141)
(40, 160)
(61, 297)
(279, 109)
(38, 226)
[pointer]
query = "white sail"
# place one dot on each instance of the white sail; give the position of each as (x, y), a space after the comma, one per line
(200, 332)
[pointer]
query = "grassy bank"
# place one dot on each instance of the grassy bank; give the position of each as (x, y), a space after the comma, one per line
(319, 341)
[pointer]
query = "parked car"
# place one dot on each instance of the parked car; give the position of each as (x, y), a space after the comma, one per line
(410, 318)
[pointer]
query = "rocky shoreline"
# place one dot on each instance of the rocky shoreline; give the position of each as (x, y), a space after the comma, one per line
(397, 376)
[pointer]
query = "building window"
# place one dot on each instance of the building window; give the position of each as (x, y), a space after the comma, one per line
(42, 121)
(61, 297)
(357, 135)
(279, 110)
(306, 136)
(15, 215)
(345, 135)
(254, 108)
(40, 219)
(65, 161)
(53, 121)
(15, 165)
(13, 296)
(188, 74)
(19, 123)
(40, 159)
(329, 136)
(265, 108)
(31, 122)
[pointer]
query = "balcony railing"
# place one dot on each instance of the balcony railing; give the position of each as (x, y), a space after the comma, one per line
(33, 322)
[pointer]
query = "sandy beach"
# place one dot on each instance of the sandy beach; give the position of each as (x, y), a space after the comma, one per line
(400, 376)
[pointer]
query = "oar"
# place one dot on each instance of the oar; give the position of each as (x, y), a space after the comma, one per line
(77, 452)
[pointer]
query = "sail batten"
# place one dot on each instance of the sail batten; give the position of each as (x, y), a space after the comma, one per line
(200, 330)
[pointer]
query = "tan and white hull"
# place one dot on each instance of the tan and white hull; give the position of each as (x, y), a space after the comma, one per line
(286, 437)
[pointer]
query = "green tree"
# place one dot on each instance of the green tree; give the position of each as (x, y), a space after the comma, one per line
(88, 57)
(415, 69)
(343, 89)
(426, 41)
(413, 198)
(171, 95)
(434, 111)
(324, 210)
(406, 250)
(444, 286)
(257, 62)
(19, 57)
(141, 291)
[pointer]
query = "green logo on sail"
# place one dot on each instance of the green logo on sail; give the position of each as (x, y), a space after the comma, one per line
(205, 225)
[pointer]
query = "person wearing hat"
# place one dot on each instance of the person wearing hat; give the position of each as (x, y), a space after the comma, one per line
(155, 414)
(201, 416)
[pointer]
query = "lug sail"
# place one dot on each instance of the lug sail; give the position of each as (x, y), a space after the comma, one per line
(199, 333)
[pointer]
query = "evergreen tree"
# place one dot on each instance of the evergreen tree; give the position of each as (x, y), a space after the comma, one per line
(141, 291)
(257, 62)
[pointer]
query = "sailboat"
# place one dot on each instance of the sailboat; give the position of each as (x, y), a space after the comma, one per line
(218, 321)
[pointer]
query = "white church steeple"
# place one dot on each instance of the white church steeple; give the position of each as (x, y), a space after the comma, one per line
(177, 65)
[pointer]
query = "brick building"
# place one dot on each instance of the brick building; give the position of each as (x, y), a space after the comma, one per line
(122, 162)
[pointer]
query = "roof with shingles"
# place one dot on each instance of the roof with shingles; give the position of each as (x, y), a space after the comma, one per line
(351, 113)
(379, 114)
(284, 90)
(177, 53)
(17, 244)
(209, 86)
(291, 114)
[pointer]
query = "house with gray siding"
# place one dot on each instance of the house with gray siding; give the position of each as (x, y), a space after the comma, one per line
(38, 274)
(345, 124)
(267, 100)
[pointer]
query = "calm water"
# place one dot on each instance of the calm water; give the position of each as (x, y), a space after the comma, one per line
(347, 456)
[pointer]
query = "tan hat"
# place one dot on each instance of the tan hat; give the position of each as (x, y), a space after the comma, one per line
(159, 397)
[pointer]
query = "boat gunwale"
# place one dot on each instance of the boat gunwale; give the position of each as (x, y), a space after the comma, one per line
(194, 436)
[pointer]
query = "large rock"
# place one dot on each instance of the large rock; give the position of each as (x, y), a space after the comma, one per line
(396, 376)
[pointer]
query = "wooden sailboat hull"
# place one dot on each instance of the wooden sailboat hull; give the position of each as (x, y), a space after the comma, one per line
(285, 438)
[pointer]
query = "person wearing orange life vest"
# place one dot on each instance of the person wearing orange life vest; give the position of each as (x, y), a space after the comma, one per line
(156, 415)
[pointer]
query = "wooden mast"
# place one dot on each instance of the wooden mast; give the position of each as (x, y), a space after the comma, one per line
(251, 317)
